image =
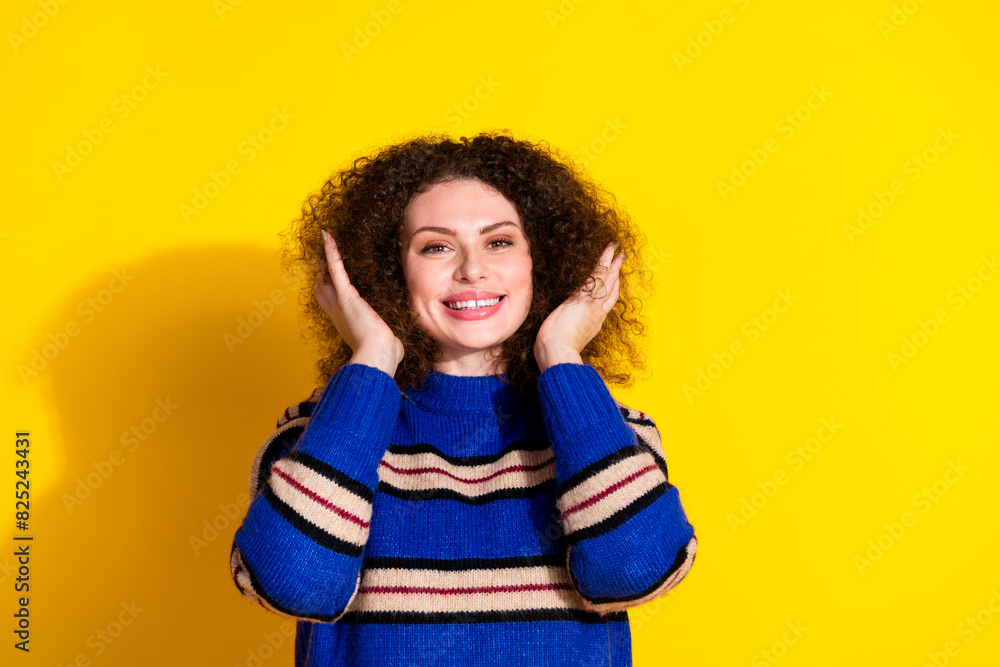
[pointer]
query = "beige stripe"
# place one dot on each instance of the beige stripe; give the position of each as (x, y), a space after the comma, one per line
(318, 514)
(651, 436)
(539, 574)
(563, 598)
(669, 583)
(606, 478)
(611, 503)
(243, 577)
(649, 433)
(255, 472)
(429, 479)
(327, 488)
(293, 411)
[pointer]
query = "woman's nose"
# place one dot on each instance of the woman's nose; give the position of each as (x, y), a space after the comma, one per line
(471, 267)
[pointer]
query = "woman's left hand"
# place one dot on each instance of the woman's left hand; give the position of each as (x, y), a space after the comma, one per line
(575, 322)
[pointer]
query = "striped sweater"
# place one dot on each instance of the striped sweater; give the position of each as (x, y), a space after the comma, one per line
(462, 524)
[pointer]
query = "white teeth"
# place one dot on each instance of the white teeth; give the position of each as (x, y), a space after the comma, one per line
(464, 305)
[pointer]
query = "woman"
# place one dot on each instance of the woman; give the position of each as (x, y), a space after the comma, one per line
(464, 490)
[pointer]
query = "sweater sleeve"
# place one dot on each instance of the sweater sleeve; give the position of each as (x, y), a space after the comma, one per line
(299, 549)
(629, 538)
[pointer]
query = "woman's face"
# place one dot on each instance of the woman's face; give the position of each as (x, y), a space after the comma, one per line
(463, 241)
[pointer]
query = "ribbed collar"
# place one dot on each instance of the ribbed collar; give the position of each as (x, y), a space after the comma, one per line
(463, 394)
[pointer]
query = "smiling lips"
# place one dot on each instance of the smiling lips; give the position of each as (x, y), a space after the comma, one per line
(473, 305)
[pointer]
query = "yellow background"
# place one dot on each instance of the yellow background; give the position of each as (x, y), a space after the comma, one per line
(600, 80)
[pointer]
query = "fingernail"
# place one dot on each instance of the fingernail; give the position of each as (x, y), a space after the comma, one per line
(323, 232)
(615, 249)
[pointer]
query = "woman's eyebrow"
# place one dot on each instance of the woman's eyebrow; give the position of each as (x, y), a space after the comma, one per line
(484, 230)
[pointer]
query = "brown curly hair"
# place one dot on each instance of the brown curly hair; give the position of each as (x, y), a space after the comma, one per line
(567, 219)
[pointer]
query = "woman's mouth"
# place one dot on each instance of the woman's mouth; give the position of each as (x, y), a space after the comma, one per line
(472, 305)
(473, 309)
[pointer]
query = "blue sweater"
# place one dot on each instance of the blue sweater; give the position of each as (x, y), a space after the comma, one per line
(462, 524)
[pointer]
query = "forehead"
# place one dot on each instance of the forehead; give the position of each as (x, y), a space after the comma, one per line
(459, 204)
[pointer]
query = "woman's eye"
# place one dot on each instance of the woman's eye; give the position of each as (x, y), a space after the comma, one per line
(431, 249)
(504, 241)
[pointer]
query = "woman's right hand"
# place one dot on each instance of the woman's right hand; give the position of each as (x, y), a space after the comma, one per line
(371, 339)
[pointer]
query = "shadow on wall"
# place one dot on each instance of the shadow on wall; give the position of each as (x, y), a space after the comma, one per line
(178, 372)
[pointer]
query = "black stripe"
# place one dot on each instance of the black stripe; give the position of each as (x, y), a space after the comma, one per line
(599, 465)
(458, 564)
(619, 517)
(441, 617)
(277, 449)
(331, 473)
(306, 408)
(638, 420)
(259, 592)
(676, 565)
(293, 412)
(423, 448)
(660, 461)
(438, 494)
(310, 530)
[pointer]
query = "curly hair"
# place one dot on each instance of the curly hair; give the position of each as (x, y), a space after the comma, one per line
(567, 219)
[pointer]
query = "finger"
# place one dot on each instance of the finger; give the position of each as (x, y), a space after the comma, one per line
(600, 273)
(323, 300)
(620, 260)
(606, 257)
(322, 273)
(338, 275)
(612, 298)
(612, 294)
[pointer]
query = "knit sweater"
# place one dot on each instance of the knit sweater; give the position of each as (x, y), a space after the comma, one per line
(462, 524)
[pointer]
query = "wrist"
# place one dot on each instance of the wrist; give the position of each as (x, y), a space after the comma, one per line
(377, 357)
(547, 355)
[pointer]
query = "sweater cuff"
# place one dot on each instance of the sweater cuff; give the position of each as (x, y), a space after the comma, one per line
(353, 421)
(582, 419)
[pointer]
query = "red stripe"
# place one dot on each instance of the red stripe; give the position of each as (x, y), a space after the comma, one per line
(593, 499)
(463, 591)
(322, 501)
(515, 468)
